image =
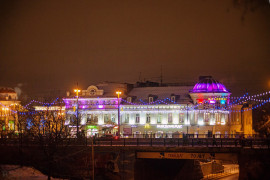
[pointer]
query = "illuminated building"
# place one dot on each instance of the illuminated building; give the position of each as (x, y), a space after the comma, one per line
(97, 107)
(51, 118)
(8, 105)
(158, 111)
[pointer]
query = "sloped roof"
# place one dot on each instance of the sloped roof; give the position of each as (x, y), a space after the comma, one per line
(111, 88)
(181, 93)
(6, 90)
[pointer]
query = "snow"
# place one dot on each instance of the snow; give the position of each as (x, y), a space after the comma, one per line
(16, 172)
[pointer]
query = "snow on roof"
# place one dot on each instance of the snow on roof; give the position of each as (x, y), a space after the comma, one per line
(6, 90)
(162, 93)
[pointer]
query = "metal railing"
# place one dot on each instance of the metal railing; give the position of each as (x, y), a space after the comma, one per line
(185, 141)
(222, 173)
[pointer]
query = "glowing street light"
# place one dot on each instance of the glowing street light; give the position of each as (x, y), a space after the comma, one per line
(77, 93)
(118, 94)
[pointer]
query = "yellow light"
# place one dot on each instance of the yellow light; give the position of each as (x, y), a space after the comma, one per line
(77, 90)
(118, 92)
(146, 126)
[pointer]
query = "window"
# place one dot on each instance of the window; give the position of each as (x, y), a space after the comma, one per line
(181, 118)
(106, 118)
(113, 118)
(148, 118)
(11, 125)
(217, 117)
(137, 118)
(172, 98)
(127, 118)
(151, 99)
(92, 92)
(206, 105)
(169, 117)
(159, 118)
(206, 117)
(89, 118)
(95, 118)
(129, 99)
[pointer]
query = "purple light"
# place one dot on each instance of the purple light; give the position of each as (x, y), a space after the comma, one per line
(212, 101)
(209, 85)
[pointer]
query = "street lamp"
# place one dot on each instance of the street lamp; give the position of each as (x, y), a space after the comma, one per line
(77, 93)
(118, 94)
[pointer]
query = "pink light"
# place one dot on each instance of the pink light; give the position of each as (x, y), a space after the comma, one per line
(212, 101)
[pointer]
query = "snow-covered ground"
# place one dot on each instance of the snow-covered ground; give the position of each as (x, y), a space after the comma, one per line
(15, 172)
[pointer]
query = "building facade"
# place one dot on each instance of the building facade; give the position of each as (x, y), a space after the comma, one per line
(9, 105)
(156, 111)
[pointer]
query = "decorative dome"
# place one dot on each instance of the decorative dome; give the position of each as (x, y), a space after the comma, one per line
(207, 84)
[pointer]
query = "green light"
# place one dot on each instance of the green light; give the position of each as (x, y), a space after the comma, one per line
(91, 127)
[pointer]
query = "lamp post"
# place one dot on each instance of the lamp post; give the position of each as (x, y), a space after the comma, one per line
(187, 119)
(77, 93)
(118, 94)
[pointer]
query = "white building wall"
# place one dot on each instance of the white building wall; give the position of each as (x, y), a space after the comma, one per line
(175, 117)
(142, 117)
(153, 118)
(100, 119)
(164, 118)
(132, 117)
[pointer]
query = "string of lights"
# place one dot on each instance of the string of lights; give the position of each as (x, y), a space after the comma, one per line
(167, 101)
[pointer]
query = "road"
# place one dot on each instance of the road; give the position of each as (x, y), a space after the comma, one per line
(232, 177)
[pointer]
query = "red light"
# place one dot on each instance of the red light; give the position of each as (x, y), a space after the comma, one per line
(200, 101)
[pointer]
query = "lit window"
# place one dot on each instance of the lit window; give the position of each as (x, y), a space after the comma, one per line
(169, 117)
(127, 118)
(217, 117)
(137, 118)
(148, 118)
(151, 99)
(89, 118)
(181, 118)
(106, 118)
(159, 118)
(113, 118)
(129, 99)
(206, 117)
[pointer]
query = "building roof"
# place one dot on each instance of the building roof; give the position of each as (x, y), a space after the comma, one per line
(207, 84)
(142, 94)
(6, 90)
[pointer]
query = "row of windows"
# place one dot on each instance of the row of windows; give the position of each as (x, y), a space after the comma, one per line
(206, 117)
(159, 118)
(150, 99)
(93, 118)
(109, 102)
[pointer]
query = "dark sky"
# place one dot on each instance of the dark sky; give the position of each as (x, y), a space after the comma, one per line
(48, 45)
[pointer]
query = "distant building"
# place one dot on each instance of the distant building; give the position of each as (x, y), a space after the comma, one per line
(158, 111)
(9, 105)
(51, 118)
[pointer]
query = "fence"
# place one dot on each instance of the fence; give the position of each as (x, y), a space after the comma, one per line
(186, 141)
(222, 173)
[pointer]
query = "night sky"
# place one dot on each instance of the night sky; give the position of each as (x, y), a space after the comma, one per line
(51, 45)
